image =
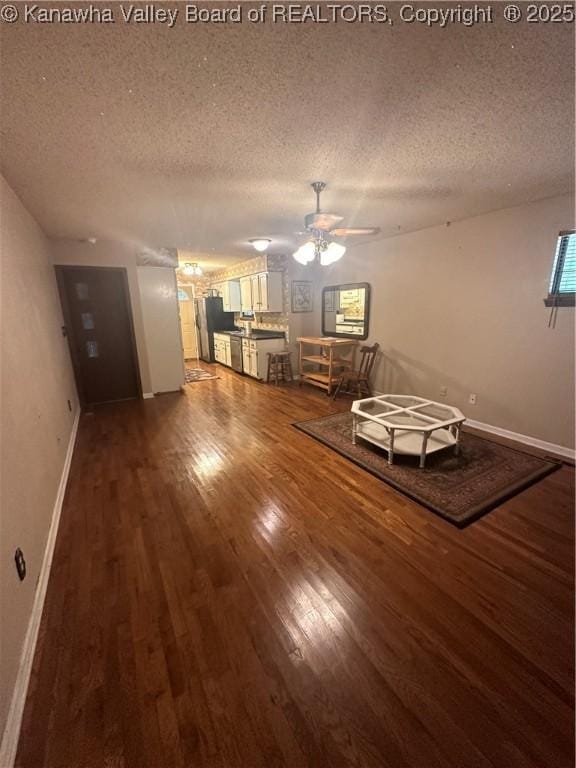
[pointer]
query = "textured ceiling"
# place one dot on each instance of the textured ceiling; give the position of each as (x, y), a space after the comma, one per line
(202, 136)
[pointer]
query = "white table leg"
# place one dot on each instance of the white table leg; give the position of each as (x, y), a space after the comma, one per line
(354, 428)
(457, 439)
(423, 453)
(391, 449)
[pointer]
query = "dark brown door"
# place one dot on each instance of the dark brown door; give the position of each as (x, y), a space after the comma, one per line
(98, 320)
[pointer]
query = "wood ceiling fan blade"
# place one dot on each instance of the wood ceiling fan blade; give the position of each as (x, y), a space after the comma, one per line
(349, 231)
(322, 221)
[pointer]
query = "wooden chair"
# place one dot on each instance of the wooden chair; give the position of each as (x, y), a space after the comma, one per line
(359, 380)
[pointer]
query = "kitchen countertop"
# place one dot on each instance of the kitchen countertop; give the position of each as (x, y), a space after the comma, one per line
(256, 335)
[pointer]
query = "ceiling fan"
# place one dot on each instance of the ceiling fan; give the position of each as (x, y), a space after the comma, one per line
(323, 228)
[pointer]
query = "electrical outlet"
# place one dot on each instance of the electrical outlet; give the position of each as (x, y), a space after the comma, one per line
(20, 564)
(443, 391)
(472, 399)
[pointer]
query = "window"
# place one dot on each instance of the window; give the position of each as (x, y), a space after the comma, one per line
(92, 348)
(87, 321)
(563, 279)
(81, 291)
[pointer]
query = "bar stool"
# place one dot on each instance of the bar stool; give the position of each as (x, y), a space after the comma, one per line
(279, 367)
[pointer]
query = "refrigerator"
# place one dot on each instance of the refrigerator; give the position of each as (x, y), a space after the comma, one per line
(210, 318)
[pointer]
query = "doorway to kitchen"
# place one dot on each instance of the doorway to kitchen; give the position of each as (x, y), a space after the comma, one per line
(188, 324)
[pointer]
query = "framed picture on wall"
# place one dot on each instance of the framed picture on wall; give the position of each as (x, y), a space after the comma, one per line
(302, 296)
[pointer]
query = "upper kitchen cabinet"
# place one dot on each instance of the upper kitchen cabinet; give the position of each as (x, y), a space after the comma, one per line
(246, 294)
(262, 292)
(229, 291)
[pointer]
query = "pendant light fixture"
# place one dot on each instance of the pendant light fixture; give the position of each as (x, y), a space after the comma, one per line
(260, 243)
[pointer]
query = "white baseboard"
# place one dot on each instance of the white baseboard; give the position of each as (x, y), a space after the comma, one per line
(543, 445)
(147, 395)
(14, 720)
(534, 442)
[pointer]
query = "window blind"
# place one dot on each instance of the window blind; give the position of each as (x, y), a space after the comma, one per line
(563, 279)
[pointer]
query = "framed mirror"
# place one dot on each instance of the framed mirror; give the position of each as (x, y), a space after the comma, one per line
(346, 310)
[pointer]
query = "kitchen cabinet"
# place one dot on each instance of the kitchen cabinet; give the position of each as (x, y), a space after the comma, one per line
(219, 354)
(262, 292)
(255, 358)
(255, 291)
(229, 291)
(222, 353)
(250, 358)
(246, 294)
(231, 296)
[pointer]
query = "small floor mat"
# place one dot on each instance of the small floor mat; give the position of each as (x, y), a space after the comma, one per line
(198, 374)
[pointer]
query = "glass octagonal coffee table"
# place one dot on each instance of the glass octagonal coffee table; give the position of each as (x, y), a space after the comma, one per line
(404, 424)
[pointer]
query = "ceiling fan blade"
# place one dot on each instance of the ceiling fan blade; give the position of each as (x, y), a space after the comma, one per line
(348, 231)
(322, 221)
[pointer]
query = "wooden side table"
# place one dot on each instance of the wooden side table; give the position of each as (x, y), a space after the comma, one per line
(334, 356)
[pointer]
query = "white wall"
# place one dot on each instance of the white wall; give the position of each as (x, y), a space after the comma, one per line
(36, 382)
(160, 313)
(461, 306)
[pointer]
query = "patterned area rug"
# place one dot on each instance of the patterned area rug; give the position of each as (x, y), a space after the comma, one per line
(198, 374)
(459, 488)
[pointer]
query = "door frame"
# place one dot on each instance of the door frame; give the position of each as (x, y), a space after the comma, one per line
(192, 299)
(61, 270)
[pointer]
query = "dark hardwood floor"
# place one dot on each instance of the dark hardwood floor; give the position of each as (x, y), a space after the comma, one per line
(228, 593)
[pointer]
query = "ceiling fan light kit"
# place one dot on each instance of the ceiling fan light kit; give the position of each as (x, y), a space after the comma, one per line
(323, 228)
(306, 253)
(191, 268)
(333, 253)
